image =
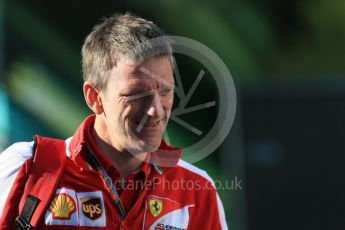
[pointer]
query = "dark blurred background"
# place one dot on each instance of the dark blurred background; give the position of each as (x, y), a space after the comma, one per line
(287, 61)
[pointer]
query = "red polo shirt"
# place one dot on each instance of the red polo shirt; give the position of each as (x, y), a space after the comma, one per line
(127, 196)
(165, 193)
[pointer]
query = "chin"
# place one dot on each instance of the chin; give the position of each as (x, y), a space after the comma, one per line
(150, 144)
(145, 142)
(141, 146)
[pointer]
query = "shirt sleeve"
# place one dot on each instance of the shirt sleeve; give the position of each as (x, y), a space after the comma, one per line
(208, 212)
(11, 161)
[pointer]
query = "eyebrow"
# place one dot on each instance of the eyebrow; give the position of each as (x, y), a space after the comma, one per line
(146, 93)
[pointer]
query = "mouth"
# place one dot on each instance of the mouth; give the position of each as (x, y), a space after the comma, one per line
(149, 124)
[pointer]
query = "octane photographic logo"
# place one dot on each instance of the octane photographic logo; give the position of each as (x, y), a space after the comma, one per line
(185, 116)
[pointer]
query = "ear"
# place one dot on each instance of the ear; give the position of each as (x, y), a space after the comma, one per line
(92, 97)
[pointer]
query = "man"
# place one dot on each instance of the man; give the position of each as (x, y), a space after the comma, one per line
(128, 84)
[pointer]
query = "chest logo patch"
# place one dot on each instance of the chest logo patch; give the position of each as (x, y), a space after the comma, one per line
(62, 206)
(91, 207)
(63, 209)
(156, 206)
(163, 213)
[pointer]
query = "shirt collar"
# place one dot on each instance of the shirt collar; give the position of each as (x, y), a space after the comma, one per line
(163, 159)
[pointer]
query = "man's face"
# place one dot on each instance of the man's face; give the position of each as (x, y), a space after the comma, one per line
(137, 104)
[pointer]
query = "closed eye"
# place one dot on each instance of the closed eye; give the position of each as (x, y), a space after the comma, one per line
(138, 95)
(133, 96)
(166, 90)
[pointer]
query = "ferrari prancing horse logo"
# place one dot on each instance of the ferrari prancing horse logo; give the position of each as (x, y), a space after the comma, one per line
(156, 206)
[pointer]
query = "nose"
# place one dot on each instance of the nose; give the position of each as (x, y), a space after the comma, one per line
(156, 108)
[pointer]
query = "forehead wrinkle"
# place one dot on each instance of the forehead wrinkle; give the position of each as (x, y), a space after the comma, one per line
(136, 76)
(158, 78)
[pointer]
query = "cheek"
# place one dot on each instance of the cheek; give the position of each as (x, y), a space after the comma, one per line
(140, 106)
(168, 102)
(116, 112)
(126, 110)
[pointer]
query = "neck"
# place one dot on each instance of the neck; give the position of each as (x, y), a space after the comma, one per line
(123, 161)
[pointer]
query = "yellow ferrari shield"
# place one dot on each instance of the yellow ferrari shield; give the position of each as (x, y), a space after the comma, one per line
(156, 206)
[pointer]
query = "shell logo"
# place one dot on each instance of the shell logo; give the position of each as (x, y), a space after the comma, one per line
(62, 206)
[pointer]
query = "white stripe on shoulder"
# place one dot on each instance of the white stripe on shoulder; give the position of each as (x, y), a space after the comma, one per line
(22, 150)
(67, 142)
(221, 214)
(194, 169)
(11, 160)
(204, 174)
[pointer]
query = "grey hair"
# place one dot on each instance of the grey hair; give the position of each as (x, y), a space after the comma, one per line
(120, 36)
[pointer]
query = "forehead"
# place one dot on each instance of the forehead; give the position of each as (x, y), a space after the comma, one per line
(152, 72)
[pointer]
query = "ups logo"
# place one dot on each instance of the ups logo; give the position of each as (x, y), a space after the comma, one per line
(92, 207)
